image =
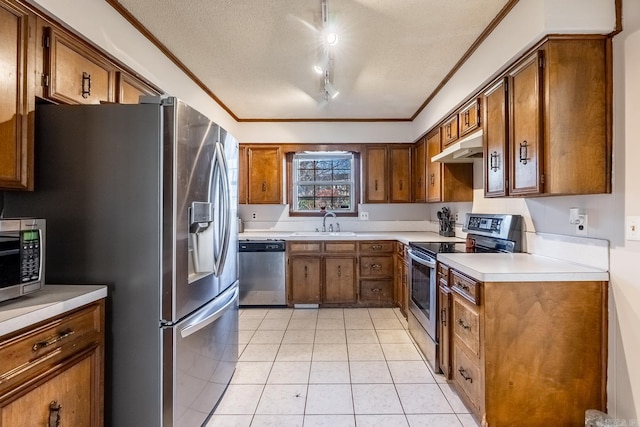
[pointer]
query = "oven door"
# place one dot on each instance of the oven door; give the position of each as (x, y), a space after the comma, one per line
(423, 291)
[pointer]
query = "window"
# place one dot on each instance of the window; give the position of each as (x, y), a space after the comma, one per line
(323, 180)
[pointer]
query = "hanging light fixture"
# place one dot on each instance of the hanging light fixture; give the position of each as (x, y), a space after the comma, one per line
(325, 63)
(330, 91)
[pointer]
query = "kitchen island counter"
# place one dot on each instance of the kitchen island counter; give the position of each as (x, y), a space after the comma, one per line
(520, 267)
(52, 301)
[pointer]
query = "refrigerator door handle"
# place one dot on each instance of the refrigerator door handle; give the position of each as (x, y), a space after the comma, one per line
(211, 312)
(226, 207)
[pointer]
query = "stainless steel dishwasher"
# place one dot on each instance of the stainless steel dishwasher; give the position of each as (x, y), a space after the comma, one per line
(262, 272)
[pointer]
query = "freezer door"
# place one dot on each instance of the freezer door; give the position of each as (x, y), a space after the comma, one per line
(199, 358)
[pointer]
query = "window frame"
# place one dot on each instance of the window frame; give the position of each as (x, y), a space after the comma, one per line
(291, 183)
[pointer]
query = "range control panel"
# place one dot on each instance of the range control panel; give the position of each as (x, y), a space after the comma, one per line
(484, 224)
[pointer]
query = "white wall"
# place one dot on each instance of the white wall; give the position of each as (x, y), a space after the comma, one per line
(524, 26)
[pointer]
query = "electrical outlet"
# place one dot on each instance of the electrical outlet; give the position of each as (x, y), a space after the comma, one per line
(254, 215)
(364, 216)
(582, 229)
(456, 217)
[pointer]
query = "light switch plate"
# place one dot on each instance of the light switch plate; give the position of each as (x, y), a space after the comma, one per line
(632, 228)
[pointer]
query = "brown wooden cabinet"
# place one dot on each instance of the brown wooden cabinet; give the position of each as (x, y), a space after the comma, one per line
(496, 157)
(434, 179)
(469, 117)
(444, 320)
(129, 88)
(449, 131)
(556, 136)
(74, 73)
(263, 174)
(17, 106)
(305, 279)
(387, 173)
(514, 340)
(376, 273)
(419, 172)
(340, 279)
(401, 281)
(53, 371)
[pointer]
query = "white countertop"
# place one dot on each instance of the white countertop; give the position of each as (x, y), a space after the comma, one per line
(51, 301)
(405, 237)
(520, 267)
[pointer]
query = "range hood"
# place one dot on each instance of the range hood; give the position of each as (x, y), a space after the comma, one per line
(463, 151)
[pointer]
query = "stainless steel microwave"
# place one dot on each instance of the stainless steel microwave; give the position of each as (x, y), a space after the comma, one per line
(22, 256)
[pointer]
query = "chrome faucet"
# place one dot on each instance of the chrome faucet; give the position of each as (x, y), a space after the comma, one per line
(324, 220)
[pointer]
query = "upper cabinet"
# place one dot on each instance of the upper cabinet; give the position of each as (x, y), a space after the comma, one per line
(547, 128)
(469, 117)
(446, 182)
(419, 181)
(74, 74)
(17, 100)
(387, 173)
(130, 89)
(263, 180)
(449, 131)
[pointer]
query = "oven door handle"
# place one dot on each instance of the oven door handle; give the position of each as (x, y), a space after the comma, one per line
(430, 264)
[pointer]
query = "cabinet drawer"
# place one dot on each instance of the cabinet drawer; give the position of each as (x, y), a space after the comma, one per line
(340, 247)
(466, 374)
(304, 247)
(466, 324)
(376, 247)
(376, 290)
(28, 353)
(443, 272)
(466, 287)
(400, 248)
(376, 266)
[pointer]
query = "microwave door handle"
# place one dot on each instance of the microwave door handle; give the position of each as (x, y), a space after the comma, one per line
(213, 312)
(421, 261)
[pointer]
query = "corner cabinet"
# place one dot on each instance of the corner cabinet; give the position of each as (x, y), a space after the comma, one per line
(52, 372)
(513, 340)
(260, 180)
(547, 121)
(17, 86)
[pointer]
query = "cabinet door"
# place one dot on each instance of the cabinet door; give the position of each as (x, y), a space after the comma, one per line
(469, 118)
(434, 193)
(400, 161)
(376, 173)
(420, 171)
(129, 89)
(72, 389)
(340, 280)
(495, 140)
(243, 175)
(305, 280)
(525, 123)
(444, 330)
(264, 168)
(17, 101)
(449, 131)
(74, 74)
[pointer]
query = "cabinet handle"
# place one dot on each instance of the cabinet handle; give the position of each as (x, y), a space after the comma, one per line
(419, 182)
(443, 316)
(493, 164)
(464, 375)
(467, 122)
(376, 247)
(432, 178)
(464, 325)
(264, 187)
(400, 184)
(376, 290)
(463, 286)
(62, 335)
(86, 85)
(524, 152)
(376, 266)
(339, 271)
(54, 414)
(306, 271)
(449, 130)
(375, 184)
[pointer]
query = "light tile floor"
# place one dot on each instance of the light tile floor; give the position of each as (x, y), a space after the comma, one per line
(334, 367)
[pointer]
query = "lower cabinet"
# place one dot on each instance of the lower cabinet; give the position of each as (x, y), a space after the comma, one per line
(527, 349)
(52, 373)
(341, 273)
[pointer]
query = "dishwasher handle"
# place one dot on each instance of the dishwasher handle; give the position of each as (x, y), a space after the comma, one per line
(211, 312)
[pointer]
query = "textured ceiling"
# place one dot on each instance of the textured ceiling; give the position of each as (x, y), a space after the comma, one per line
(256, 56)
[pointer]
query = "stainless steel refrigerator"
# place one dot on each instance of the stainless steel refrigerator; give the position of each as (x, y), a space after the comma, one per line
(143, 198)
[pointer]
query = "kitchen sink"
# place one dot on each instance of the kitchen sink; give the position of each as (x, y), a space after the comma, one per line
(323, 233)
